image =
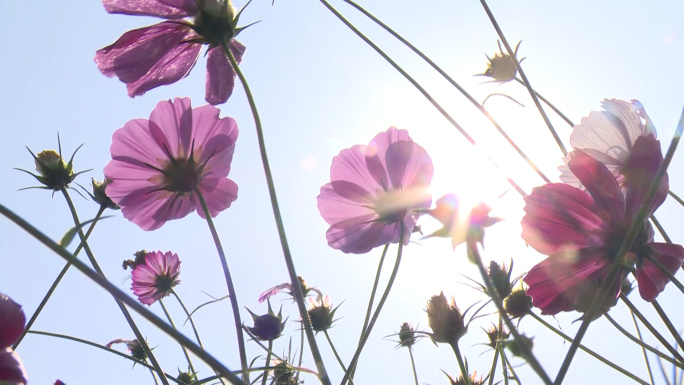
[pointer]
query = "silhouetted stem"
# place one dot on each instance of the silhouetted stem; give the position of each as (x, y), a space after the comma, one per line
(413, 365)
(643, 349)
(268, 362)
(556, 110)
(461, 364)
(652, 329)
(185, 352)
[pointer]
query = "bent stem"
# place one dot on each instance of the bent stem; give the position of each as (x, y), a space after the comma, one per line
(556, 110)
(678, 199)
(123, 308)
(587, 350)
(526, 81)
(643, 349)
(461, 364)
(294, 287)
(185, 352)
(421, 90)
(66, 267)
(453, 83)
(229, 283)
(474, 255)
(633, 231)
(378, 309)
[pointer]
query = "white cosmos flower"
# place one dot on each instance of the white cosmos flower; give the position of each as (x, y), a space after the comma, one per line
(608, 136)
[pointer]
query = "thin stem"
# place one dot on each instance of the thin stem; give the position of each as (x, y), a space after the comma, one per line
(453, 83)
(651, 329)
(413, 365)
(121, 296)
(461, 364)
(257, 369)
(660, 228)
(511, 53)
(301, 352)
(99, 271)
(633, 231)
(499, 337)
(294, 280)
(474, 255)
(154, 377)
(662, 268)
(668, 323)
(66, 267)
(643, 344)
(373, 291)
(589, 351)
(678, 199)
(421, 90)
(185, 352)
(510, 367)
(378, 309)
(556, 110)
(504, 367)
(96, 345)
(229, 283)
(643, 349)
(332, 346)
(268, 362)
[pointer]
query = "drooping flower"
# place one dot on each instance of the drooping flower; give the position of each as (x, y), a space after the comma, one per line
(12, 322)
(164, 53)
(461, 226)
(154, 279)
(608, 136)
(373, 190)
(582, 232)
(134, 348)
(278, 288)
(158, 164)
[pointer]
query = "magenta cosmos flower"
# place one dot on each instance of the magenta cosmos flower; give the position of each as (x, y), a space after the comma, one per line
(164, 53)
(159, 164)
(154, 279)
(581, 232)
(12, 321)
(608, 136)
(373, 190)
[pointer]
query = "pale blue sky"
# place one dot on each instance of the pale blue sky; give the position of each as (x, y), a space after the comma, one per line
(321, 89)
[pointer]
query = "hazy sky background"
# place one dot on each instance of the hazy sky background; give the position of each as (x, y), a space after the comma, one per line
(320, 89)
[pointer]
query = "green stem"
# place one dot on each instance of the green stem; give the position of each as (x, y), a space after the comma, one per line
(268, 362)
(504, 367)
(474, 255)
(66, 267)
(499, 337)
(301, 352)
(254, 370)
(99, 271)
(511, 53)
(185, 352)
(510, 367)
(453, 83)
(651, 329)
(121, 296)
(461, 364)
(587, 350)
(332, 346)
(643, 350)
(413, 365)
(229, 282)
(378, 309)
(154, 377)
(633, 231)
(96, 345)
(556, 110)
(678, 199)
(420, 89)
(668, 323)
(660, 228)
(641, 343)
(294, 280)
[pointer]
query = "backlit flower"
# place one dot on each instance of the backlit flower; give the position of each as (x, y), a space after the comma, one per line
(164, 53)
(158, 164)
(154, 279)
(460, 226)
(582, 232)
(373, 190)
(12, 322)
(608, 136)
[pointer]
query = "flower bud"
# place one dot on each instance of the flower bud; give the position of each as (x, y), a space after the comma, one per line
(516, 348)
(407, 335)
(139, 260)
(473, 380)
(134, 347)
(445, 320)
(99, 194)
(187, 378)
(518, 303)
(501, 278)
(267, 327)
(501, 68)
(283, 373)
(321, 314)
(493, 334)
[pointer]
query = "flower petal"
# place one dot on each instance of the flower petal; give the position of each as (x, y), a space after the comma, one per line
(377, 150)
(220, 79)
(651, 279)
(12, 371)
(168, 9)
(561, 217)
(12, 321)
(640, 171)
(215, 140)
(171, 126)
(600, 183)
(218, 193)
(359, 235)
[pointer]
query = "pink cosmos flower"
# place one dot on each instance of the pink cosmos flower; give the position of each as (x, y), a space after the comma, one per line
(458, 226)
(155, 279)
(608, 136)
(581, 232)
(12, 322)
(164, 53)
(158, 164)
(373, 190)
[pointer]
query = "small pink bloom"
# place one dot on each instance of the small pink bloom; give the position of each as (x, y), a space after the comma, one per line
(608, 136)
(373, 190)
(158, 164)
(164, 53)
(582, 231)
(12, 322)
(155, 279)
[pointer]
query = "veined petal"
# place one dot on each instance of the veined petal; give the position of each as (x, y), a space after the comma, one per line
(360, 235)
(218, 193)
(171, 126)
(350, 165)
(600, 183)
(168, 9)
(341, 200)
(560, 217)
(220, 79)
(376, 153)
(643, 164)
(650, 278)
(215, 140)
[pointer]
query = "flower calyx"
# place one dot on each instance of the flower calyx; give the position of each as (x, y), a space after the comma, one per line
(53, 172)
(267, 327)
